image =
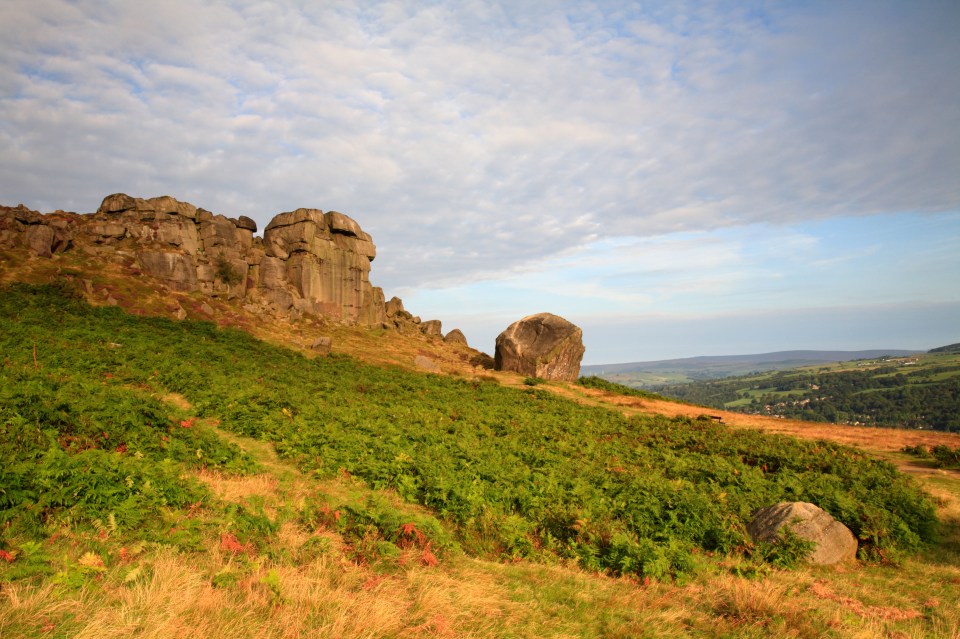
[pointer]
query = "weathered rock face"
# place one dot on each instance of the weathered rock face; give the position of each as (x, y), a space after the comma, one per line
(542, 345)
(833, 541)
(307, 262)
(327, 259)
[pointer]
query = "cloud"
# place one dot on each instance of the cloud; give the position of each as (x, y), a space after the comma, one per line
(688, 291)
(907, 326)
(477, 139)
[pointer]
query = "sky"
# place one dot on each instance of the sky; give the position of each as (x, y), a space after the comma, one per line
(676, 178)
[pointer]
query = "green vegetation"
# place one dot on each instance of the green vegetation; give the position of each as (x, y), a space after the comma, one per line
(508, 473)
(600, 383)
(942, 456)
(921, 391)
(227, 272)
(950, 348)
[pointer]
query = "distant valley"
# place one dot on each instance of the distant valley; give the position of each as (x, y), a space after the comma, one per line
(903, 389)
(691, 369)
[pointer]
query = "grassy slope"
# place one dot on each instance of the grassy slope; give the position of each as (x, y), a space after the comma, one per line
(304, 569)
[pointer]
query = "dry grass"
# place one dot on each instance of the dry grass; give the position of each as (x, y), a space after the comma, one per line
(238, 488)
(330, 597)
(325, 598)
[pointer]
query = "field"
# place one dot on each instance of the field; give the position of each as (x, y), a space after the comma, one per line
(165, 478)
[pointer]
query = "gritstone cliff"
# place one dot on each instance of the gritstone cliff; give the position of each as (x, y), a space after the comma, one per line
(307, 262)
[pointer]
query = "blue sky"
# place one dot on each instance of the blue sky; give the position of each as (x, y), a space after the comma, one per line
(677, 178)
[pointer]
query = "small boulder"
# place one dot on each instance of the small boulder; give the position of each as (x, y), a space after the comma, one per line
(246, 223)
(426, 364)
(542, 345)
(322, 344)
(833, 542)
(455, 336)
(394, 306)
(431, 328)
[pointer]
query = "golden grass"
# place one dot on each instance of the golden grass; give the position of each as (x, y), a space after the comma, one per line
(325, 598)
(238, 488)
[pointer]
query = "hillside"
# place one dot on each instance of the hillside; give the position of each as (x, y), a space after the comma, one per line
(918, 391)
(658, 373)
(198, 463)
(141, 495)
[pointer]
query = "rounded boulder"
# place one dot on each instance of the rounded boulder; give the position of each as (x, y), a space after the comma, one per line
(543, 345)
(833, 542)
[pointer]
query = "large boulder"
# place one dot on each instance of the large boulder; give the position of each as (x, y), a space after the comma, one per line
(542, 345)
(833, 542)
(393, 306)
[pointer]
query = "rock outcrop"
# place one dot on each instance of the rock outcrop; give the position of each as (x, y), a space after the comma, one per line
(324, 261)
(542, 345)
(455, 336)
(407, 323)
(42, 235)
(833, 542)
(308, 261)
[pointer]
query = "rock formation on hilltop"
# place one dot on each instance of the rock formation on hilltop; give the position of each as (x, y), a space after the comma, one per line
(308, 261)
(542, 345)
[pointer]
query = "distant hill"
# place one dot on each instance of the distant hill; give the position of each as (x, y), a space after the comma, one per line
(689, 369)
(951, 348)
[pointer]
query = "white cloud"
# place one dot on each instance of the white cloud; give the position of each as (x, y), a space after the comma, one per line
(475, 139)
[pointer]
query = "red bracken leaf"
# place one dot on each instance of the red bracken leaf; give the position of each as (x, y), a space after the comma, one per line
(230, 543)
(427, 558)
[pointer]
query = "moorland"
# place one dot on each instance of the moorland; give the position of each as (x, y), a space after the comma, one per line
(179, 478)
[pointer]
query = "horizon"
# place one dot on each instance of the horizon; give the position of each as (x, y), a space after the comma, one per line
(677, 180)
